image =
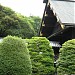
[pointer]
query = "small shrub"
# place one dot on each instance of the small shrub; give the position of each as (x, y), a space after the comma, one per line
(14, 57)
(41, 56)
(67, 58)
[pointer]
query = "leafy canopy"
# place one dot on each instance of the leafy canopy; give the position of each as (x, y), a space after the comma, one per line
(15, 24)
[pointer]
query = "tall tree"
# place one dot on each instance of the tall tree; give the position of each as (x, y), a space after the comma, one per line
(12, 23)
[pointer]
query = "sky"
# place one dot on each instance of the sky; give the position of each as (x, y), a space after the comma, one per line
(25, 7)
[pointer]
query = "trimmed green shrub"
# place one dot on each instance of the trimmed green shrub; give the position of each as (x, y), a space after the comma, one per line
(66, 60)
(41, 56)
(14, 57)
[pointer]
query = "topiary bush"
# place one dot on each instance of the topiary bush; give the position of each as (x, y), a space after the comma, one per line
(67, 58)
(14, 57)
(41, 56)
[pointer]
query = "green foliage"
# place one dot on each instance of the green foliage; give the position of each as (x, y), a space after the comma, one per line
(14, 24)
(14, 57)
(35, 21)
(67, 58)
(41, 56)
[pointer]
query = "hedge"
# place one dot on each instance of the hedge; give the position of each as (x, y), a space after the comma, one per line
(14, 57)
(41, 56)
(67, 58)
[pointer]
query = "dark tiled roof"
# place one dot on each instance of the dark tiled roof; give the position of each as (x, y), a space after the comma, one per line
(64, 10)
(1, 39)
(55, 44)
